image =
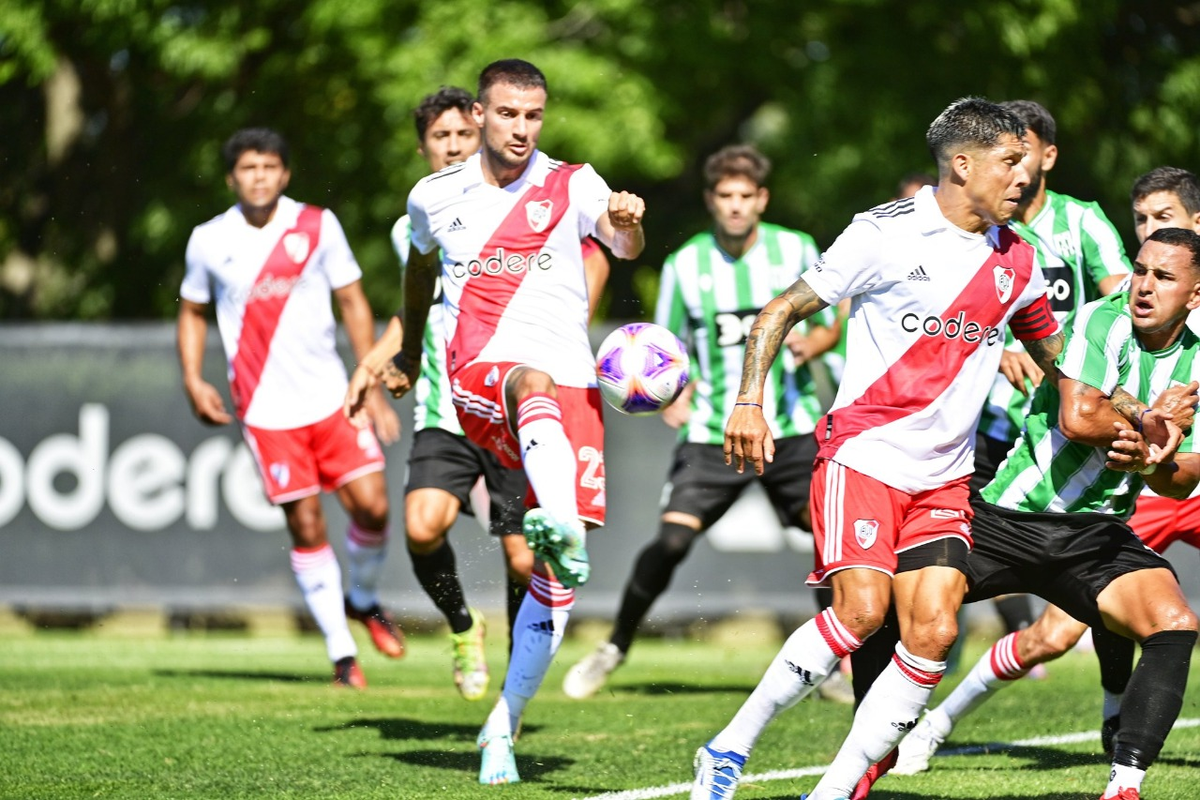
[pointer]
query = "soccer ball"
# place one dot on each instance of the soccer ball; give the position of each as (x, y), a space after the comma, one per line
(641, 368)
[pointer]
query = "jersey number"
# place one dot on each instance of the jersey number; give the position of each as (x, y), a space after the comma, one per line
(594, 462)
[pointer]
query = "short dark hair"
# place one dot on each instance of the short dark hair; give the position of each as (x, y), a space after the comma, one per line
(1180, 182)
(740, 160)
(260, 140)
(1180, 237)
(1035, 116)
(972, 122)
(512, 71)
(438, 103)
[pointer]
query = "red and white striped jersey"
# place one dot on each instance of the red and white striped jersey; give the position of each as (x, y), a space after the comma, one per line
(272, 287)
(513, 283)
(930, 302)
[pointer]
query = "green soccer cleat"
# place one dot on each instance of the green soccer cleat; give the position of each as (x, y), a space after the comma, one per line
(470, 663)
(560, 544)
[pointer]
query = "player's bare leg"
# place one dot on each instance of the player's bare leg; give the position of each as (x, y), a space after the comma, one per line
(320, 580)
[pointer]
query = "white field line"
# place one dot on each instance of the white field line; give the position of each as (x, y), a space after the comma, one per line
(674, 789)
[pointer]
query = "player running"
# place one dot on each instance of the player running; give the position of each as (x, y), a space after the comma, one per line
(271, 264)
(508, 222)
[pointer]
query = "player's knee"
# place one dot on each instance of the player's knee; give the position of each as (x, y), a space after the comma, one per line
(372, 516)
(520, 565)
(423, 529)
(1036, 644)
(674, 541)
(862, 615)
(1176, 617)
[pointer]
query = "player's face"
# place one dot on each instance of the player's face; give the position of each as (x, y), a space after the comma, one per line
(736, 204)
(995, 180)
(1163, 289)
(1161, 210)
(258, 179)
(1039, 159)
(449, 139)
(511, 118)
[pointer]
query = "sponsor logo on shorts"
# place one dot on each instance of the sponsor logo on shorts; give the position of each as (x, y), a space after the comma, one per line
(280, 474)
(538, 214)
(492, 376)
(866, 531)
(945, 513)
(502, 446)
(369, 444)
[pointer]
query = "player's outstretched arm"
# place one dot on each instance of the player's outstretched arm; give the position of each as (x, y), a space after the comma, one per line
(747, 435)
(359, 322)
(367, 374)
(420, 279)
(621, 227)
(192, 332)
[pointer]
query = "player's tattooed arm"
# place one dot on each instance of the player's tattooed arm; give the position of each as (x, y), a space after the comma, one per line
(797, 303)
(1044, 352)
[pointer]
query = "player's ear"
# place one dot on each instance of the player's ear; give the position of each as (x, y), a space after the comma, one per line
(960, 166)
(287, 177)
(477, 113)
(1049, 157)
(761, 199)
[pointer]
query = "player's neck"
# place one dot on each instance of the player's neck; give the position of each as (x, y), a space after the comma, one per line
(1027, 213)
(959, 211)
(736, 246)
(259, 216)
(1162, 338)
(499, 174)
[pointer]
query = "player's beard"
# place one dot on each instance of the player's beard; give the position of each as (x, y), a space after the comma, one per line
(505, 159)
(1031, 191)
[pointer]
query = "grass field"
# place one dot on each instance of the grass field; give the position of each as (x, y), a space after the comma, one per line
(207, 716)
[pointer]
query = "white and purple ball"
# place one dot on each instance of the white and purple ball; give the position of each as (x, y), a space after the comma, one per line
(641, 368)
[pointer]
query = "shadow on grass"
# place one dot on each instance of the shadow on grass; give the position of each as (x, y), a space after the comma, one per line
(402, 729)
(660, 688)
(241, 675)
(1042, 757)
(530, 767)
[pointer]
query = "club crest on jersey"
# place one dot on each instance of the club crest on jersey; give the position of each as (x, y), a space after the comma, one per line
(296, 245)
(538, 214)
(866, 531)
(280, 474)
(1004, 281)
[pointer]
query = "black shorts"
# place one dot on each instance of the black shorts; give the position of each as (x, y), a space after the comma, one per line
(989, 454)
(441, 460)
(1066, 559)
(701, 484)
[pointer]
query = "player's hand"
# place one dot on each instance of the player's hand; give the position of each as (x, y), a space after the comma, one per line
(799, 346)
(678, 413)
(1017, 367)
(1161, 435)
(207, 404)
(399, 375)
(1180, 403)
(384, 418)
(748, 438)
(625, 210)
(355, 405)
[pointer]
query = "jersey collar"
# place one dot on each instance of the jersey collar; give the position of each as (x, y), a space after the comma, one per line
(931, 219)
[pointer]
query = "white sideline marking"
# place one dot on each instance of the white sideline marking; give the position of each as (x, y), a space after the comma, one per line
(674, 789)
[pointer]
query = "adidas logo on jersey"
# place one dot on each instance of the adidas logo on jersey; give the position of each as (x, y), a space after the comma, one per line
(456, 226)
(918, 274)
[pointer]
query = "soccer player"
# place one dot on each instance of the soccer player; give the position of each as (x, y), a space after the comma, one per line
(1165, 197)
(934, 281)
(711, 290)
(271, 264)
(444, 465)
(508, 222)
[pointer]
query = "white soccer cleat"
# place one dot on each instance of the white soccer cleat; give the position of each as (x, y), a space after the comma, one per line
(922, 742)
(590, 674)
(498, 765)
(837, 689)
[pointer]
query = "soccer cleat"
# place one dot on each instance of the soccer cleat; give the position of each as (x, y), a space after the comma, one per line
(1108, 734)
(470, 663)
(385, 633)
(717, 774)
(805, 797)
(918, 747)
(347, 674)
(560, 544)
(1128, 793)
(837, 689)
(499, 765)
(591, 673)
(874, 773)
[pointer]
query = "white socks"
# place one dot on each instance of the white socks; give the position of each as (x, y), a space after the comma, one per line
(547, 455)
(366, 551)
(537, 633)
(320, 580)
(889, 710)
(806, 658)
(995, 669)
(1123, 777)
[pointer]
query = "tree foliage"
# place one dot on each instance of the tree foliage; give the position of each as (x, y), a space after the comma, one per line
(113, 112)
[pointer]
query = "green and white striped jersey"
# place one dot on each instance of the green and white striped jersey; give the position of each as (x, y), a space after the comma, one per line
(710, 300)
(1046, 472)
(1077, 247)
(434, 409)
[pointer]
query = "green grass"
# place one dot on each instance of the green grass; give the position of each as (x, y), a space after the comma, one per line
(197, 716)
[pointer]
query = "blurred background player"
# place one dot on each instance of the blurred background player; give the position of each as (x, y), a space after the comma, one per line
(508, 223)
(446, 468)
(271, 264)
(711, 290)
(1166, 197)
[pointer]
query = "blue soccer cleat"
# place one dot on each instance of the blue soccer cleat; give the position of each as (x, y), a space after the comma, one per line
(560, 544)
(498, 765)
(717, 774)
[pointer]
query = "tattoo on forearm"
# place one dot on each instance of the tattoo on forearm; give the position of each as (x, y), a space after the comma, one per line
(1045, 351)
(1126, 404)
(797, 303)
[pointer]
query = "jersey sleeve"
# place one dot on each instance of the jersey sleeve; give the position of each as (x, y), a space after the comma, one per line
(196, 287)
(589, 194)
(670, 311)
(1034, 318)
(1095, 351)
(1103, 254)
(850, 266)
(336, 257)
(418, 220)
(401, 240)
